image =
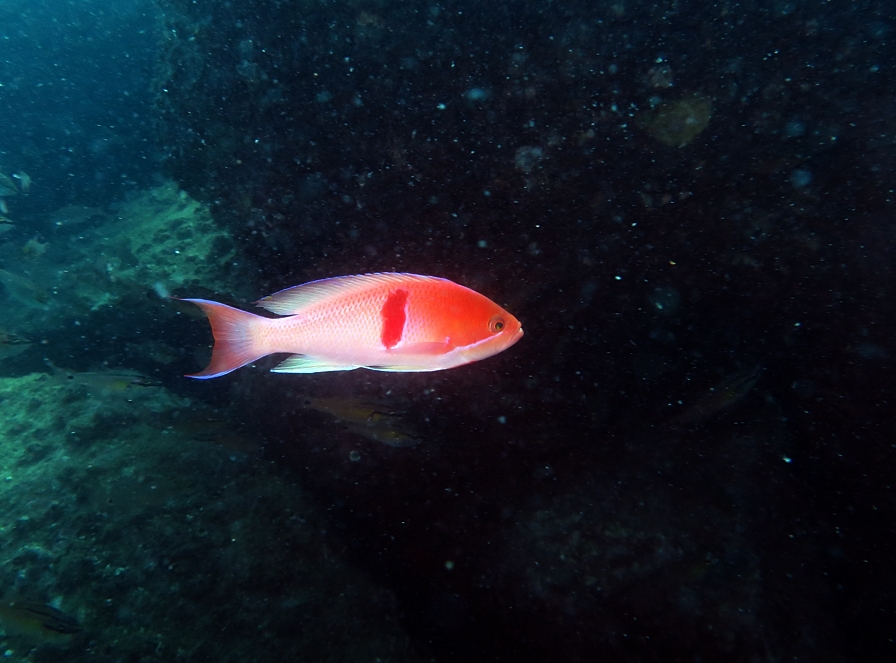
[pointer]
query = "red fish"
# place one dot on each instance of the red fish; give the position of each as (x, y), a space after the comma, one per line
(384, 322)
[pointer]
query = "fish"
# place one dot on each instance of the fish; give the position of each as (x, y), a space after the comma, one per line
(720, 397)
(9, 338)
(391, 321)
(12, 344)
(38, 623)
(206, 427)
(24, 180)
(23, 289)
(105, 381)
(7, 186)
(374, 421)
(77, 215)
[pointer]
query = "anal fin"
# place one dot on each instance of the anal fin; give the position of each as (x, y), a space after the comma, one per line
(397, 368)
(306, 364)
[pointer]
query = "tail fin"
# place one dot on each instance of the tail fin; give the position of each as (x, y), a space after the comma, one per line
(235, 343)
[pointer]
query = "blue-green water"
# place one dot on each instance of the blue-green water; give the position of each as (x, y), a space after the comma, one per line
(687, 457)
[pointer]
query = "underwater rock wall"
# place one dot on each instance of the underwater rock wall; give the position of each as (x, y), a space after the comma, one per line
(148, 517)
(377, 132)
(665, 193)
(96, 259)
(160, 529)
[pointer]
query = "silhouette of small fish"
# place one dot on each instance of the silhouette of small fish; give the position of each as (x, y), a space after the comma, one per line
(12, 344)
(38, 622)
(23, 290)
(375, 421)
(24, 180)
(8, 186)
(97, 382)
(720, 397)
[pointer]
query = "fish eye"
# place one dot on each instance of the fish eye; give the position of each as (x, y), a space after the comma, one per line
(496, 324)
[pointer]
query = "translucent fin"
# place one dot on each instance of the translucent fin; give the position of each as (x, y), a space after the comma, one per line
(234, 340)
(292, 300)
(306, 364)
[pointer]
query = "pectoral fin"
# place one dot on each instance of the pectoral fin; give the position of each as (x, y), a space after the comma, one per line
(408, 357)
(433, 348)
(397, 368)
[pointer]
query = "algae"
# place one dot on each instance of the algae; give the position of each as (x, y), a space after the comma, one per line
(116, 512)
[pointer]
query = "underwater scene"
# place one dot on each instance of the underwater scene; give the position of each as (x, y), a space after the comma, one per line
(447, 331)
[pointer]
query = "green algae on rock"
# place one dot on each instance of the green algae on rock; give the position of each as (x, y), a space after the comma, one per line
(161, 236)
(153, 538)
(160, 240)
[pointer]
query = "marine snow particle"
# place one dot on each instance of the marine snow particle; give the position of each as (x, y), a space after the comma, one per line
(660, 76)
(665, 300)
(527, 158)
(677, 123)
(477, 94)
(794, 128)
(800, 178)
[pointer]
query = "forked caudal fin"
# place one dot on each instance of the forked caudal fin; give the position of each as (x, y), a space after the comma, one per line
(235, 343)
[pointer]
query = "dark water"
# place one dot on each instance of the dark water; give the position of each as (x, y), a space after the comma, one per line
(689, 206)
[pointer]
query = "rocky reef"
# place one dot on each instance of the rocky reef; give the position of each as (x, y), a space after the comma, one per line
(90, 259)
(565, 499)
(162, 530)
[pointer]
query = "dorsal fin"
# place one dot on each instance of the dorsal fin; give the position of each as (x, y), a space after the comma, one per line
(293, 300)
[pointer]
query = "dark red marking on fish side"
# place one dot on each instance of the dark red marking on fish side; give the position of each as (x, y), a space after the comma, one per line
(394, 317)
